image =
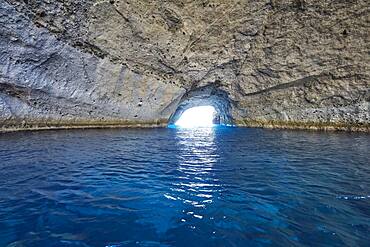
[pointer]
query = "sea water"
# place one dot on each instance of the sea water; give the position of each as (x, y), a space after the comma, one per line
(184, 187)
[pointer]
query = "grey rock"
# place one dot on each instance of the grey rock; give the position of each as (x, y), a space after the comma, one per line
(292, 64)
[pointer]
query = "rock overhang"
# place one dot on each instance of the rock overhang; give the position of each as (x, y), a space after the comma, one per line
(282, 62)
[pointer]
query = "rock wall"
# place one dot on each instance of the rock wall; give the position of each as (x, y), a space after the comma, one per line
(293, 63)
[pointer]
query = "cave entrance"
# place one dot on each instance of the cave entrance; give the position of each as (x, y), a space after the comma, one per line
(198, 116)
(202, 107)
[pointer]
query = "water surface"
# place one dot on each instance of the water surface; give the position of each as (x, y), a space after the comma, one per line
(173, 187)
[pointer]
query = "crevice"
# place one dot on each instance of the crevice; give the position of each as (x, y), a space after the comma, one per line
(122, 15)
(296, 83)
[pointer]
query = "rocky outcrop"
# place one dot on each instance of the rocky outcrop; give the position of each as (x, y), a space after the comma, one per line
(294, 64)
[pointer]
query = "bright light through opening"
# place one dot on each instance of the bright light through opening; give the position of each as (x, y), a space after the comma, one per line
(200, 116)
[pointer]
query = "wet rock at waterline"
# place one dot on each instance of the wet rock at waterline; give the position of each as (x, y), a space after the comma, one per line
(298, 64)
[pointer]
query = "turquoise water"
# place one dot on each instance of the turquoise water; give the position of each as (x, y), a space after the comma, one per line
(173, 187)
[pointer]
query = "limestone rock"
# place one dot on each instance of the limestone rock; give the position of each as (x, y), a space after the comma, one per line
(288, 63)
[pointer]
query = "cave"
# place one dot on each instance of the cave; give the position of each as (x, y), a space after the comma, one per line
(115, 115)
(203, 107)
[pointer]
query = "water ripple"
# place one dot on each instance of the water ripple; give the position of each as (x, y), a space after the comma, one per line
(169, 187)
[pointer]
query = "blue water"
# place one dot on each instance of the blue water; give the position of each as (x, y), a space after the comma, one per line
(173, 187)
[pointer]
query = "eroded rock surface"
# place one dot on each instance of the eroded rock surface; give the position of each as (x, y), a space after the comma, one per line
(123, 62)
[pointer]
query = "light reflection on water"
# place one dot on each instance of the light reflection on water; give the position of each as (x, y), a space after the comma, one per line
(197, 154)
(180, 187)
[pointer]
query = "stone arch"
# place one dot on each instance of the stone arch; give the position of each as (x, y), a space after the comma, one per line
(206, 96)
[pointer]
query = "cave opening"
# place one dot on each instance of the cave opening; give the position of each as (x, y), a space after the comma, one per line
(202, 108)
(198, 116)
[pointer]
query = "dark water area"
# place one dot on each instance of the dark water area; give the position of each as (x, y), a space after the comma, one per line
(173, 187)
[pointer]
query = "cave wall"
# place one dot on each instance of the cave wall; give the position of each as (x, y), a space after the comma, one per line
(294, 63)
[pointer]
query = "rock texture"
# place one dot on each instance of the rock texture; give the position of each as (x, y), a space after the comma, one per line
(293, 63)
